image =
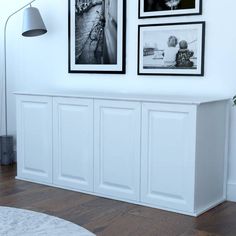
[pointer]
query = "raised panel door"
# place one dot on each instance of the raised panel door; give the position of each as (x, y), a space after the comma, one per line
(34, 138)
(168, 155)
(117, 149)
(73, 143)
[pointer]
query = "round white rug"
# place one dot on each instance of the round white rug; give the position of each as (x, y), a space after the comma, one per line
(17, 222)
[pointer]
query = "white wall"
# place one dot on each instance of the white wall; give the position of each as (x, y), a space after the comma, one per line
(40, 64)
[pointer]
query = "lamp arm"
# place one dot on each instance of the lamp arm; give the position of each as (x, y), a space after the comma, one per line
(5, 61)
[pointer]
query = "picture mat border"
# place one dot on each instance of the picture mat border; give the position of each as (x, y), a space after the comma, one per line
(202, 64)
(184, 12)
(102, 69)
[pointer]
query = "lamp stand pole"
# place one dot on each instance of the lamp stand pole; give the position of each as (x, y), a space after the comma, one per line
(6, 141)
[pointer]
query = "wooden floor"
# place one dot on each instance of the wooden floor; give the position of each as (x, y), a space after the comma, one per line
(112, 218)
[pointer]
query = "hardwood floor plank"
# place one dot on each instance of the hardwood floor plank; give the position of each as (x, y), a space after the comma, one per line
(106, 217)
(198, 233)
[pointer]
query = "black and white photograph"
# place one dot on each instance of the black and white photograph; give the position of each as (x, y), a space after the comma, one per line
(171, 49)
(161, 8)
(97, 36)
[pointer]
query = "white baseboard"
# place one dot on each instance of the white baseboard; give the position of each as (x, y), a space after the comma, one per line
(231, 192)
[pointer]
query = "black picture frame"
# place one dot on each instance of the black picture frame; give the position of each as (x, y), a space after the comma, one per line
(142, 14)
(147, 66)
(109, 66)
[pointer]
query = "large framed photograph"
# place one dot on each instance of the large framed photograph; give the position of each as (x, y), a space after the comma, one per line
(97, 36)
(161, 8)
(171, 49)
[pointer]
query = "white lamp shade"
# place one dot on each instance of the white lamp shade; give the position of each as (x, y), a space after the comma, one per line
(33, 24)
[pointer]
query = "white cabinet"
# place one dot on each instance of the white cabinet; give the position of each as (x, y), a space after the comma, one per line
(73, 143)
(117, 148)
(164, 153)
(168, 155)
(34, 138)
(183, 155)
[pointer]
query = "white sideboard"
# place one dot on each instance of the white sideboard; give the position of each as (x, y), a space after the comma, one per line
(165, 152)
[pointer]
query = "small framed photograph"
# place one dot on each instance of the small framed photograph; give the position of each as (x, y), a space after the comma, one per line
(162, 8)
(171, 49)
(97, 36)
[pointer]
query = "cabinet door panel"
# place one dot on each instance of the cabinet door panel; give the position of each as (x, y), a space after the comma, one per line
(168, 154)
(73, 143)
(34, 138)
(117, 149)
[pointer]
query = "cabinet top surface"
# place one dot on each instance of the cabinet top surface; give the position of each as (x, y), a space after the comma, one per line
(130, 97)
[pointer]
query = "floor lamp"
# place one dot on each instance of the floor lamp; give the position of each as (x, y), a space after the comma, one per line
(33, 25)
